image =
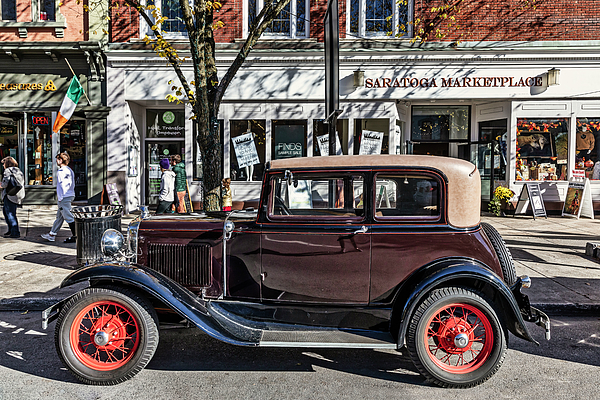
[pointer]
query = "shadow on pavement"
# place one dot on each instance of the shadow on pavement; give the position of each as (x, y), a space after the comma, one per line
(45, 257)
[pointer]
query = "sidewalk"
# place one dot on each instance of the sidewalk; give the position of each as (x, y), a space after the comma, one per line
(551, 251)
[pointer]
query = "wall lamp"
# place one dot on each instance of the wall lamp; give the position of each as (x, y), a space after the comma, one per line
(553, 76)
(359, 78)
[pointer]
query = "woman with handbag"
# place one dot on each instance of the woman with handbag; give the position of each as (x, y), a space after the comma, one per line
(13, 183)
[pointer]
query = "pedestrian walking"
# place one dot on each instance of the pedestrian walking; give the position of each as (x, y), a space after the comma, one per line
(180, 184)
(65, 193)
(11, 195)
(167, 187)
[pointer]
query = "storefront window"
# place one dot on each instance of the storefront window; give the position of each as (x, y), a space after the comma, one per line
(247, 154)
(542, 149)
(588, 142)
(39, 150)
(321, 137)
(289, 139)
(165, 124)
(72, 141)
(9, 143)
(434, 123)
(371, 136)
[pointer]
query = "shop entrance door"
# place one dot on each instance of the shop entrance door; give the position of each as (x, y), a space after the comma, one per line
(489, 155)
(156, 151)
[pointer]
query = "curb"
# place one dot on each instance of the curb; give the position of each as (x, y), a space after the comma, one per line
(40, 304)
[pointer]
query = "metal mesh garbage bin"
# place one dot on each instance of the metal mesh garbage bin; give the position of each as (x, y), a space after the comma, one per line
(90, 224)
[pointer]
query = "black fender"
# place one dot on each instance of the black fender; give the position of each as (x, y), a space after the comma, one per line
(461, 272)
(174, 296)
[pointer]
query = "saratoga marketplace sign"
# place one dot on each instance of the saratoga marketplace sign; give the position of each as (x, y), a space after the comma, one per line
(471, 82)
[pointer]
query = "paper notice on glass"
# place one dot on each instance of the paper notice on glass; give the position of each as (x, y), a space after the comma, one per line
(370, 142)
(324, 145)
(245, 150)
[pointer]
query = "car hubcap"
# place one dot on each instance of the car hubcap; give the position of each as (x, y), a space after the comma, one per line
(105, 335)
(459, 338)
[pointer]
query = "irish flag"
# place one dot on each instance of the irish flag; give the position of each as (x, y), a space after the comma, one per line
(68, 105)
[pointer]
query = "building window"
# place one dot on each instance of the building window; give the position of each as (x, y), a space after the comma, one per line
(9, 10)
(441, 131)
(292, 22)
(47, 10)
(542, 149)
(370, 18)
(371, 136)
(39, 150)
(289, 139)
(587, 142)
(174, 24)
(321, 137)
(248, 144)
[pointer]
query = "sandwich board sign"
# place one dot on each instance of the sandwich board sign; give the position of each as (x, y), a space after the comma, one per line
(578, 201)
(531, 196)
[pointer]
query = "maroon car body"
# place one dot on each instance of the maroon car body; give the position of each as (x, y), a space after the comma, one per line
(352, 251)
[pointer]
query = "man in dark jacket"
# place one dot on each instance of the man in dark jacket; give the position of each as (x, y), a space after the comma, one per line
(180, 184)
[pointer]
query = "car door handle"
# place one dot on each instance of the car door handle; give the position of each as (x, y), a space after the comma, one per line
(363, 229)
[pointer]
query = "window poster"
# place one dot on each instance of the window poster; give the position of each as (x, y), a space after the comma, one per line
(370, 142)
(288, 141)
(165, 123)
(323, 141)
(245, 150)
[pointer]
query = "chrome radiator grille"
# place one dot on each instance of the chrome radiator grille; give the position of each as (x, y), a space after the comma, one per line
(188, 265)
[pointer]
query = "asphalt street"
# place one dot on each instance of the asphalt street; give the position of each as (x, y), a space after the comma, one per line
(189, 364)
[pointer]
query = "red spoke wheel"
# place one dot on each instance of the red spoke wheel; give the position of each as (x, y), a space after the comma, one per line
(106, 336)
(455, 338)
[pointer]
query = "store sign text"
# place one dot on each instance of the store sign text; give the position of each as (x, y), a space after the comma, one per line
(48, 87)
(488, 81)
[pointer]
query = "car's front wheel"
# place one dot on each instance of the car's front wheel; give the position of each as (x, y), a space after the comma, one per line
(455, 338)
(106, 336)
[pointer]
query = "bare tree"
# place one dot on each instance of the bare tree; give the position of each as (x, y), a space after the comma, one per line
(205, 92)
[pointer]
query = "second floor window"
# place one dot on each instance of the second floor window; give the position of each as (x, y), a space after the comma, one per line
(174, 25)
(47, 10)
(373, 18)
(9, 10)
(292, 21)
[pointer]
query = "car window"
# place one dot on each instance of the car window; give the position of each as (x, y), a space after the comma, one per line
(311, 195)
(406, 195)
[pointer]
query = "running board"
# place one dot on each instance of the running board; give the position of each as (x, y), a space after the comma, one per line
(272, 334)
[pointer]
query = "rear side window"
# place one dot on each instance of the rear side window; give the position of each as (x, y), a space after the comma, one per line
(406, 196)
(315, 196)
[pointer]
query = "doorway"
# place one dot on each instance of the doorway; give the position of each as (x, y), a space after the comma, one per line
(489, 155)
(156, 151)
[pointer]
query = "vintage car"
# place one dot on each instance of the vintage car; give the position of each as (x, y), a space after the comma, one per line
(376, 252)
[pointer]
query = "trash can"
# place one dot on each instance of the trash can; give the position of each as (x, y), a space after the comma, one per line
(90, 224)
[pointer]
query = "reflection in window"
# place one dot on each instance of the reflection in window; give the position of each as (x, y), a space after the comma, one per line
(9, 10)
(440, 123)
(248, 138)
(308, 195)
(379, 17)
(587, 142)
(542, 149)
(406, 196)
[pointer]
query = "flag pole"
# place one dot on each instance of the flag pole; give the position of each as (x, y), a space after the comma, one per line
(86, 96)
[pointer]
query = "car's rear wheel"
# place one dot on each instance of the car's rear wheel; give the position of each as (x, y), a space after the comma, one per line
(455, 338)
(506, 261)
(106, 336)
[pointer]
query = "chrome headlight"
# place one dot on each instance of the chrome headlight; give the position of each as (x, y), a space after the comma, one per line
(112, 242)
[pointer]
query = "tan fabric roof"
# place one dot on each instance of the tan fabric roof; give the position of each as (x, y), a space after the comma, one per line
(464, 184)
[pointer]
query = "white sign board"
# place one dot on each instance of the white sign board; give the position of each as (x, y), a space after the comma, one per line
(370, 142)
(323, 141)
(245, 150)
(578, 201)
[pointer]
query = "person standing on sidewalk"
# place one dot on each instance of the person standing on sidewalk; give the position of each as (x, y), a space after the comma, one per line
(167, 187)
(11, 168)
(65, 192)
(180, 184)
